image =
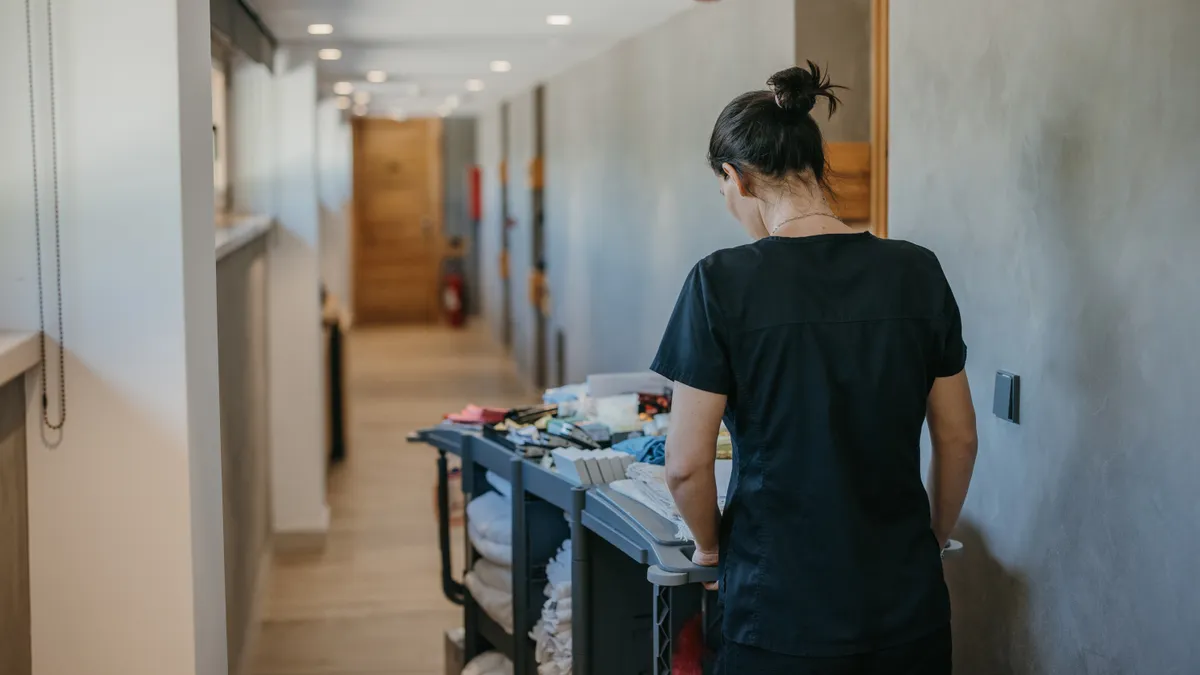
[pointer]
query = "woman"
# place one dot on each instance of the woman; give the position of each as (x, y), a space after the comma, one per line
(825, 350)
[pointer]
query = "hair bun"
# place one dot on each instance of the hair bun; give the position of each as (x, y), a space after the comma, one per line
(797, 89)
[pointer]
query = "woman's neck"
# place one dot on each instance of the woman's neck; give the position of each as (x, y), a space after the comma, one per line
(802, 214)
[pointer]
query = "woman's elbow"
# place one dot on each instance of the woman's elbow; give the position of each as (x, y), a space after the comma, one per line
(680, 474)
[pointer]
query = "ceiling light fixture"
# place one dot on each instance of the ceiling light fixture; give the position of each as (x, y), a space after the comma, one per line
(343, 88)
(343, 102)
(362, 97)
(360, 110)
(558, 20)
(475, 85)
(320, 29)
(501, 66)
(376, 76)
(329, 54)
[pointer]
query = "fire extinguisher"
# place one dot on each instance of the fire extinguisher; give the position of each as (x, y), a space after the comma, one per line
(453, 285)
(452, 298)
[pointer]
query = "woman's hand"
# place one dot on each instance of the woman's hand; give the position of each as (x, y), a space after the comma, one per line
(704, 558)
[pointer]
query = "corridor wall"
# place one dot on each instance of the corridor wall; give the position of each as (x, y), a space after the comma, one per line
(520, 206)
(491, 297)
(334, 181)
(1047, 152)
(631, 204)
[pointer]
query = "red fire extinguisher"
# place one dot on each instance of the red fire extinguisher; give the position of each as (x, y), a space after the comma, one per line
(452, 298)
(453, 285)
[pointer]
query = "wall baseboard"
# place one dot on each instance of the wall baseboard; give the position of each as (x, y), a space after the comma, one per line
(258, 604)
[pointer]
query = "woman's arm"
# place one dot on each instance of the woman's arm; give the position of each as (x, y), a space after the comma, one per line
(691, 460)
(951, 416)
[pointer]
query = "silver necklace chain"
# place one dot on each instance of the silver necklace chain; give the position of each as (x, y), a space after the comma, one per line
(37, 222)
(801, 217)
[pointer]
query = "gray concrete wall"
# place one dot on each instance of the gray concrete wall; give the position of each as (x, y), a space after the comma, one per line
(521, 151)
(836, 35)
(631, 204)
(1049, 153)
(490, 298)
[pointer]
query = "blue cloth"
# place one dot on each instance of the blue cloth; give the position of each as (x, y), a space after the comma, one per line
(647, 449)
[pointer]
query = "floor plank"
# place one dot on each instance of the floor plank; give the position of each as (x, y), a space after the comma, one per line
(371, 603)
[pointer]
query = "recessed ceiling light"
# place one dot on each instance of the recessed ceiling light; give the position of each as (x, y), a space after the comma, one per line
(343, 102)
(360, 110)
(343, 88)
(376, 76)
(558, 20)
(320, 29)
(475, 85)
(329, 54)
(362, 97)
(501, 66)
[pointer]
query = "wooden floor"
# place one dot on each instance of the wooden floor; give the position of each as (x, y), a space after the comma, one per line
(371, 603)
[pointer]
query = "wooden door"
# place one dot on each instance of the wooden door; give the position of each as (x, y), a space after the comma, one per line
(398, 205)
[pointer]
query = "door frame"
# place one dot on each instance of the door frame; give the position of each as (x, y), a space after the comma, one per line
(880, 103)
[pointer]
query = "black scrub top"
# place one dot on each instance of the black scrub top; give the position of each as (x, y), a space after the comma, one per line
(826, 347)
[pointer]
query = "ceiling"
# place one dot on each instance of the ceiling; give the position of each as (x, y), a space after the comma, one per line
(431, 48)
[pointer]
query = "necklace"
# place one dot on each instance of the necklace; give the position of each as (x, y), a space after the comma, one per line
(801, 217)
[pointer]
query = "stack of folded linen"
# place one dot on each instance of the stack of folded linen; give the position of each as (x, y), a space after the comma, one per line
(552, 633)
(489, 526)
(647, 485)
(491, 663)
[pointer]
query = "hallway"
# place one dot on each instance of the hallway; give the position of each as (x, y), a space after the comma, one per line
(370, 604)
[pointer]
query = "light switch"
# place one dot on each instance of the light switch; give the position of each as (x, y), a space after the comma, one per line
(1007, 402)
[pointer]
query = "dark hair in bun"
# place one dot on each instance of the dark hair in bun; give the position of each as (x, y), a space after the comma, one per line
(773, 132)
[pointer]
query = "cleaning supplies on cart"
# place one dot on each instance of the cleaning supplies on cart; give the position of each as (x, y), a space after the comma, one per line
(646, 449)
(552, 633)
(474, 414)
(491, 663)
(591, 467)
(614, 384)
(619, 413)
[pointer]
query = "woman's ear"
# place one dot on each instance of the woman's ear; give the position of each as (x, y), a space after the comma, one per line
(739, 179)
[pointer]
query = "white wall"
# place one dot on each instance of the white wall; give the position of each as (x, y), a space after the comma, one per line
(220, 117)
(294, 314)
(252, 138)
(125, 504)
(334, 184)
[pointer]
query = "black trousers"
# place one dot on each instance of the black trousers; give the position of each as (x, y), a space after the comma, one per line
(930, 655)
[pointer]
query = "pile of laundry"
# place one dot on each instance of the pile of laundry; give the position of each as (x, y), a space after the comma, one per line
(491, 663)
(489, 526)
(552, 633)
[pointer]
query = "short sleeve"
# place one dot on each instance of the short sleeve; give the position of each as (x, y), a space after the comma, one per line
(952, 356)
(695, 349)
